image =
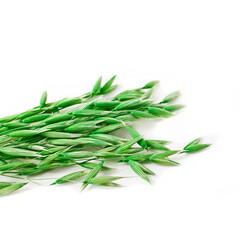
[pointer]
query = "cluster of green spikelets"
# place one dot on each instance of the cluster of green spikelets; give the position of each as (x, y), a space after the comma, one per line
(56, 135)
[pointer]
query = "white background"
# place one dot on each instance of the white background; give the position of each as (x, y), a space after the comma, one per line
(64, 46)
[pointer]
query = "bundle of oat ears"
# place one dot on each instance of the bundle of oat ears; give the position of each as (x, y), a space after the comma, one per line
(80, 132)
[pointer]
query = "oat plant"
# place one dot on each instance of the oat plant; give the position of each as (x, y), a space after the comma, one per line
(82, 132)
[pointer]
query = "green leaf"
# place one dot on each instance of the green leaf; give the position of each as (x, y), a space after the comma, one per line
(138, 170)
(171, 97)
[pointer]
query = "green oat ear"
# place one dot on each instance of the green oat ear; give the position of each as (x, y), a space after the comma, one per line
(173, 108)
(164, 154)
(196, 147)
(142, 114)
(6, 184)
(132, 104)
(36, 118)
(194, 142)
(90, 165)
(144, 168)
(90, 113)
(71, 177)
(23, 133)
(29, 113)
(11, 188)
(92, 174)
(43, 99)
(109, 128)
(16, 165)
(8, 118)
(97, 86)
(138, 170)
(18, 152)
(48, 159)
(151, 84)
(171, 97)
(134, 133)
(79, 154)
(128, 144)
(165, 162)
(52, 134)
(156, 144)
(107, 86)
(58, 118)
(147, 94)
(159, 112)
(101, 181)
(107, 105)
(138, 157)
(80, 141)
(69, 102)
(108, 138)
